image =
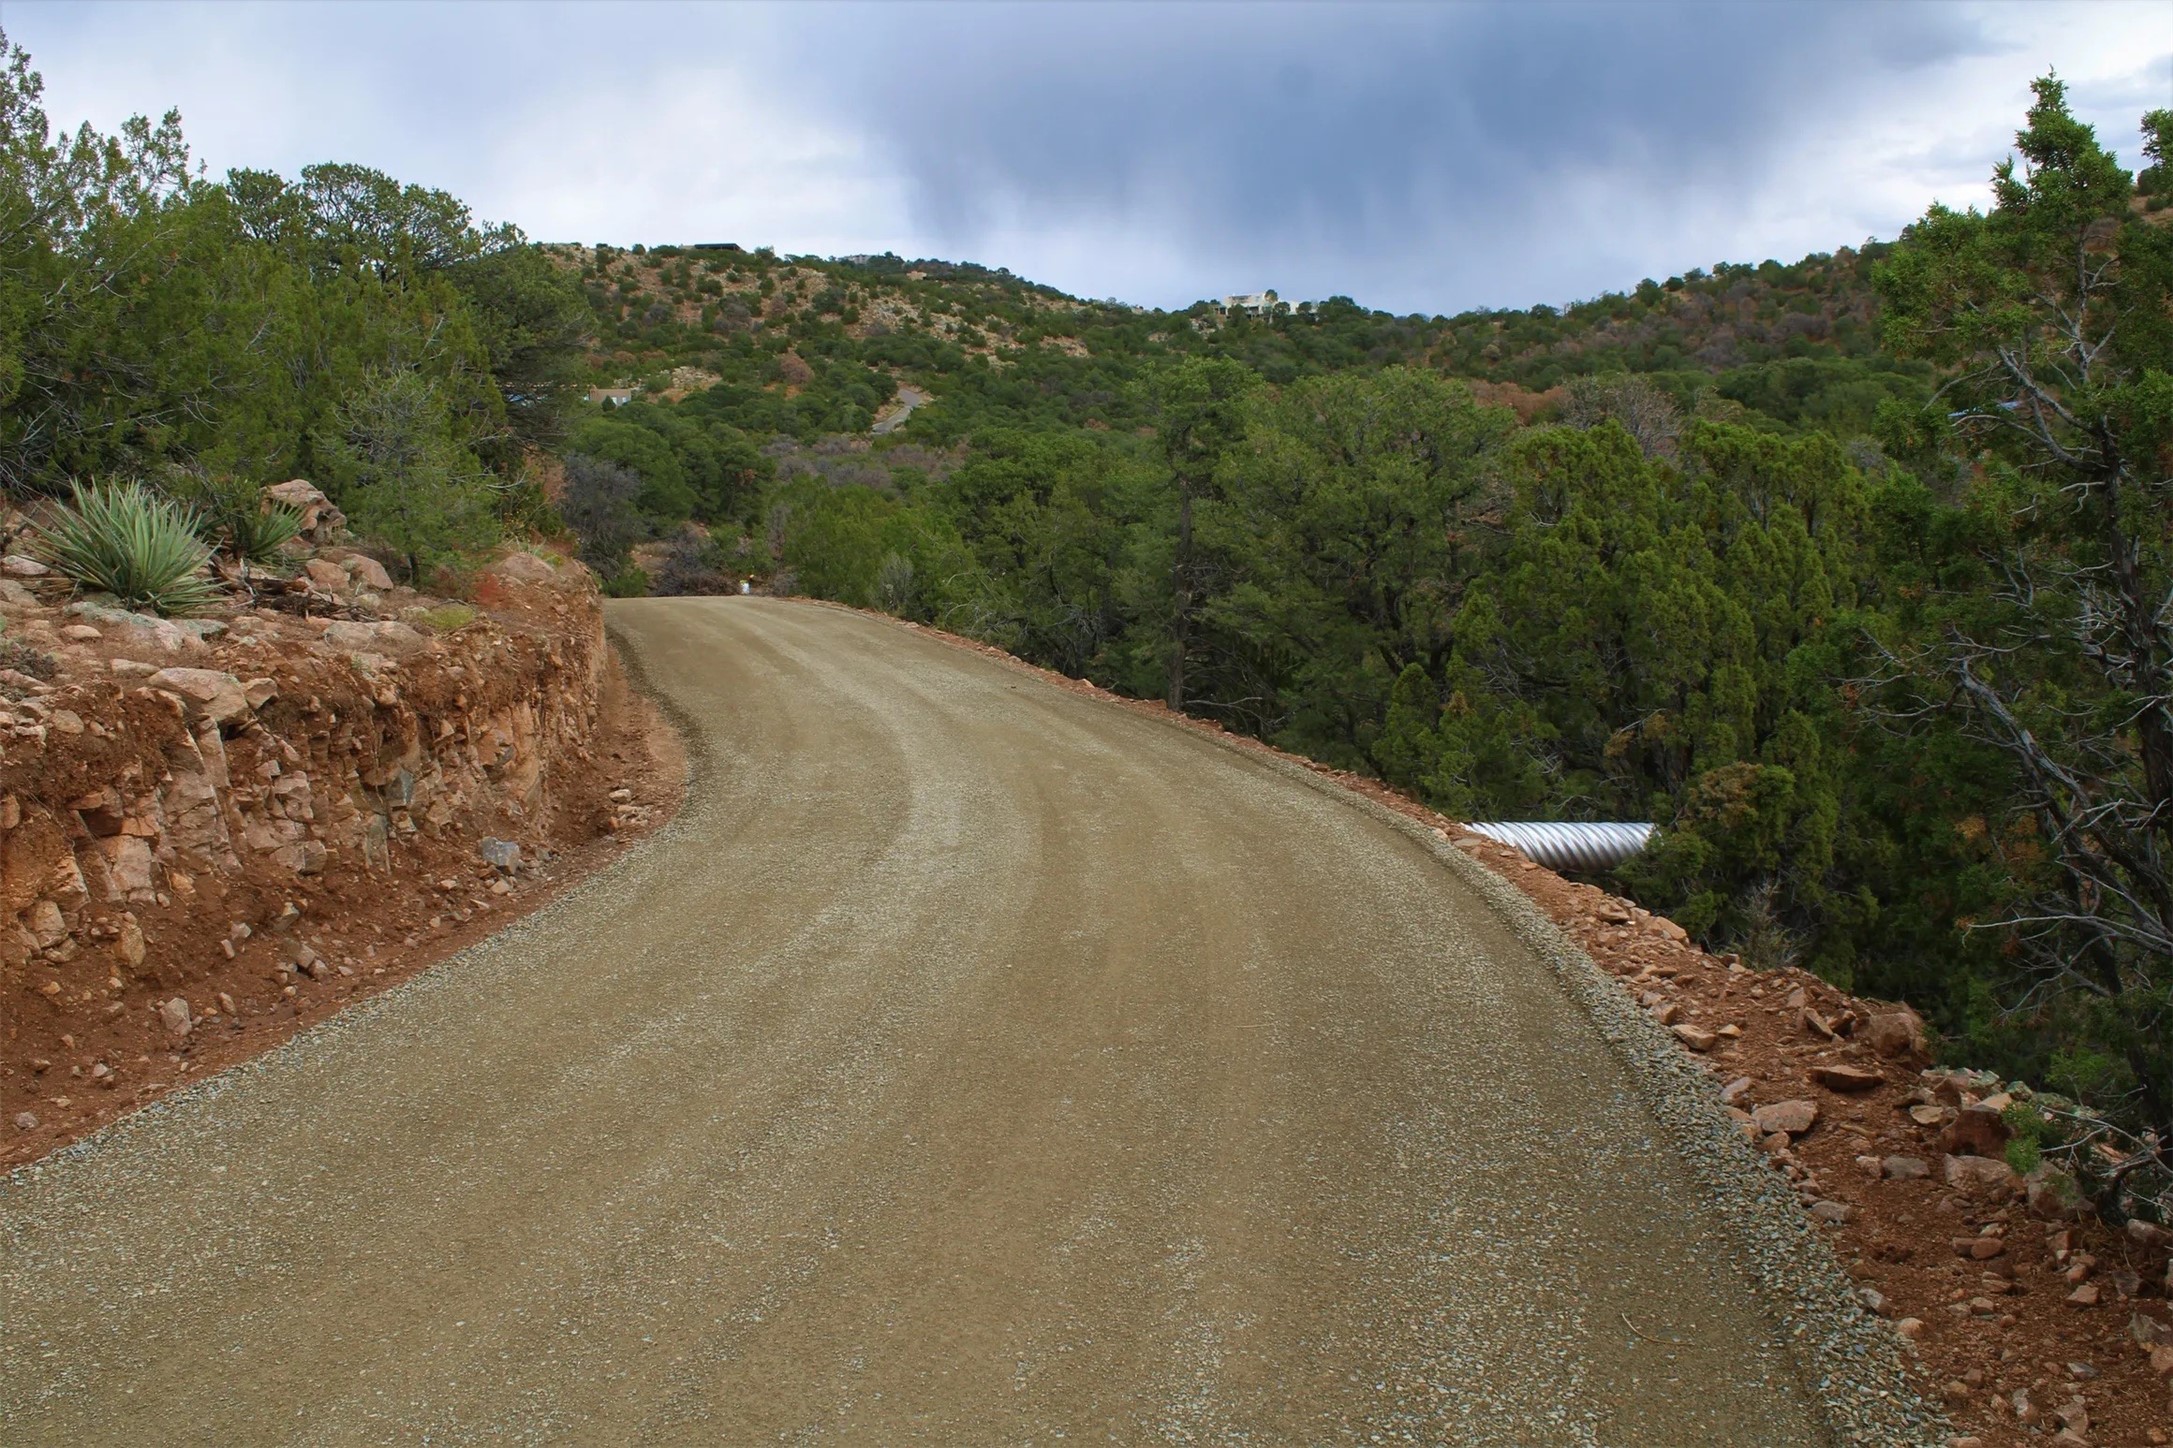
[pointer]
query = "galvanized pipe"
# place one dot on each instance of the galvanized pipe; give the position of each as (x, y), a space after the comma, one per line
(1589, 849)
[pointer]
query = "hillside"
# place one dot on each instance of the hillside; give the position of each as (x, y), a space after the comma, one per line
(1795, 344)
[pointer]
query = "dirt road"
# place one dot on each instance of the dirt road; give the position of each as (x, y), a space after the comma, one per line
(970, 1062)
(900, 410)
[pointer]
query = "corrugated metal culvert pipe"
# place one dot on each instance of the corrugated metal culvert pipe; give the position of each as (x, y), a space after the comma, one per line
(1588, 849)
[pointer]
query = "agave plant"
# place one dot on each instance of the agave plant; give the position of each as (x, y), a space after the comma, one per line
(123, 539)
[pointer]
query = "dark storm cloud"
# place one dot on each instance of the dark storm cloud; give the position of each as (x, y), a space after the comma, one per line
(1415, 157)
(1270, 131)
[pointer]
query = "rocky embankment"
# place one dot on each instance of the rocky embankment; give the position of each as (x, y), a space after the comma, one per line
(2031, 1318)
(213, 830)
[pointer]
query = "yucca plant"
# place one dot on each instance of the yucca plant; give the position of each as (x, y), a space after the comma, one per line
(233, 515)
(123, 539)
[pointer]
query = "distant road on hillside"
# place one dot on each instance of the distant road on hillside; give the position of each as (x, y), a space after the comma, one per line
(969, 1062)
(900, 409)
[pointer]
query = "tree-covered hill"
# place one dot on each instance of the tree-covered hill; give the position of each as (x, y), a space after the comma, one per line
(1791, 344)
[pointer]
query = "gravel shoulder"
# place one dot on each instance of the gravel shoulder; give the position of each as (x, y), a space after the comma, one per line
(967, 1062)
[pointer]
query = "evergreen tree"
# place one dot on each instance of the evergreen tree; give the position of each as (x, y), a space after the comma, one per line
(2050, 638)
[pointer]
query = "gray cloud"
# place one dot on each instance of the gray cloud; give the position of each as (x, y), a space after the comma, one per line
(1385, 136)
(1285, 116)
(1416, 157)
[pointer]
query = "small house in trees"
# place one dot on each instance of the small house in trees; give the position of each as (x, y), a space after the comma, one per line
(1259, 304)
(612, 396)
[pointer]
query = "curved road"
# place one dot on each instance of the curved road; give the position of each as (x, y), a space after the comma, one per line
(970, 1062)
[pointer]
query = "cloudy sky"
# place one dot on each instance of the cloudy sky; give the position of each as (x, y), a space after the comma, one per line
(1416, 157)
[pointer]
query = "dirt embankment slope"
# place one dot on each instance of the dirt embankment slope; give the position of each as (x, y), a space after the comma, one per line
(215, 831)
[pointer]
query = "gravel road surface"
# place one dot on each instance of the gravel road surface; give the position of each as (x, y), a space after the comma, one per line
(969, 1062)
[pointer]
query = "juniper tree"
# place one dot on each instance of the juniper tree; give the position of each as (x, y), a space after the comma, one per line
(2050, 635)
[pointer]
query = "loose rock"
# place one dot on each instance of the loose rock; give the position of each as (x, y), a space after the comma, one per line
(1695, 1039)
(1846, 1079)
(1793, 1117)
(174, 1016)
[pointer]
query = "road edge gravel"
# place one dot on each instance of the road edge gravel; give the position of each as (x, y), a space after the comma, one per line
(1850, 1359)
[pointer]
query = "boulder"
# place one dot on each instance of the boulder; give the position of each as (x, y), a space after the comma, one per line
(167, 635)
(1792, 1117)
(129, 868)
(523, 567)
(1977, 1130)
(304, 857)
(2148, 1235)
(1695, 1039)
(129, 944)
(366, 572)
(326, 576)
(213, 696)
(504, 855)
(396, 640)
(1897, 1033)
(2053, 1193)
(1982, 1174)
(1845, 1078)
(48, 927)
(321, 522)
(16, 565)
(174, 1016)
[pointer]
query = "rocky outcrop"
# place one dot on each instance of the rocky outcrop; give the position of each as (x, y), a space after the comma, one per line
(177, 785)
(322, 523)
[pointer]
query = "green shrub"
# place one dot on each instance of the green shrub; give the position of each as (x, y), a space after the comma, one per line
(628, 582)
(2026, 1148)
(26, 659)
(403, 475)
(448, 616)
(123, 539)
